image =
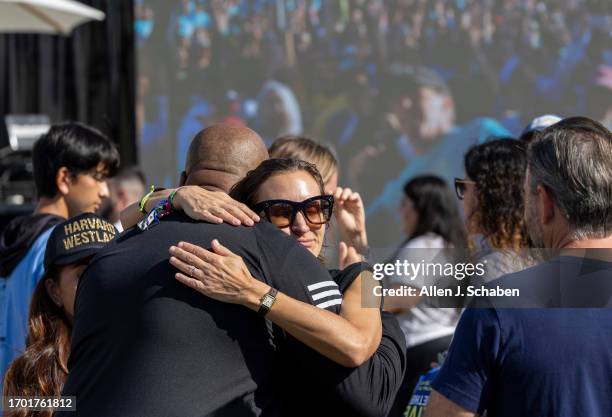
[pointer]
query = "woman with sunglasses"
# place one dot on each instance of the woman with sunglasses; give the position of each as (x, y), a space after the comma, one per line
(290, 194)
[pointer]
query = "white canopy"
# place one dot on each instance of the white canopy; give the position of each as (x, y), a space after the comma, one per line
(45, 16)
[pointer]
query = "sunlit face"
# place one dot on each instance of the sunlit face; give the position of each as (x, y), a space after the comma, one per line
(296, 186)
(86, 191)
(410, 217)
(63, 292)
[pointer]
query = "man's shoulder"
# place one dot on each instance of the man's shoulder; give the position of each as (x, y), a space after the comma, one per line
(40, 244)
(36, 253)
(179, 224)
(281, 247)
(275, 243)
(23, 239)
(559, 282)
(527, 275)
(180, 221)
(526, 288)
(151, 245)
(266, 229)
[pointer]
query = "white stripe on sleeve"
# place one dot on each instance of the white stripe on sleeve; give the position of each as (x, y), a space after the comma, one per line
(325, 294)
(321, 284)
(330, 303)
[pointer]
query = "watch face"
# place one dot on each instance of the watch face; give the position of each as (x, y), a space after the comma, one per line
(268, 301)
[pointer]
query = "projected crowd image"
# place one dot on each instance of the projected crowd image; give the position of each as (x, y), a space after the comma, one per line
(398, 88)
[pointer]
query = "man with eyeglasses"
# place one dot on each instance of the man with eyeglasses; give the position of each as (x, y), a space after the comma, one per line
(71, 164)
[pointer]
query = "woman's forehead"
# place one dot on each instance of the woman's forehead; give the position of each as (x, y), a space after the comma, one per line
(295, 186)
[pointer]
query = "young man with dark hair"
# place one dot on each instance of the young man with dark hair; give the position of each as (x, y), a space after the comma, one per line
(71, 164)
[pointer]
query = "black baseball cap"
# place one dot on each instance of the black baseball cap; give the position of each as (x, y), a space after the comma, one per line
(77, 238)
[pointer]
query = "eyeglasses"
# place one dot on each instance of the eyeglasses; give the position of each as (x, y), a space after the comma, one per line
(282, 213)
(460, 187)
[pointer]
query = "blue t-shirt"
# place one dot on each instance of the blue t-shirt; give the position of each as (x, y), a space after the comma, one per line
(15, 294)
(542, 358)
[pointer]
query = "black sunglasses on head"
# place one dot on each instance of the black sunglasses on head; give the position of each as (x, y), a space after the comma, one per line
(460, 187)
(282, 213)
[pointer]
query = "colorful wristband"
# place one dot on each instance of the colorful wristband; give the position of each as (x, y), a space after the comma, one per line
(171, 198)
(143, 201)
(161, 210)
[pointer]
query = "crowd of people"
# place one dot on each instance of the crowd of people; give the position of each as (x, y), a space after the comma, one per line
(325, 67)
(514, 47)
(247, 290)
(385, 83)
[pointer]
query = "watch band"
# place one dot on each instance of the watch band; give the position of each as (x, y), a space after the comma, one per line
(267, 301)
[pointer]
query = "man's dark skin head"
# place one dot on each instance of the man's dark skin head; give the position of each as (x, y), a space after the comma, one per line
(221, 155)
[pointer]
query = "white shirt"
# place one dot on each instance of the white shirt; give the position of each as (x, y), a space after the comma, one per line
(421, 323)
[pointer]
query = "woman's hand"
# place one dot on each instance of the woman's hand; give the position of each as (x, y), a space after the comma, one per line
(212, 206)
(221, 275)
(347, 255)
(350, 214)
(197, 203)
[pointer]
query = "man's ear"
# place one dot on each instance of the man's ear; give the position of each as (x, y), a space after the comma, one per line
(53, 291)
(547, 205)
(63, 180)
(183, 179)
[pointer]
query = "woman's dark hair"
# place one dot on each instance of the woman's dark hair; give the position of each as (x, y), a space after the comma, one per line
(498, 168)
(42, 369)
(246, 189)
(436, 206)
(78, 147)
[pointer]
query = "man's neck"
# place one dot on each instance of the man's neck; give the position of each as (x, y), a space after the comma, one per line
(55, 206)
(605, 243)
(592, 248)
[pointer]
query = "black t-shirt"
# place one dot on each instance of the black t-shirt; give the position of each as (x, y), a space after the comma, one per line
(143, 344)
(317, 386)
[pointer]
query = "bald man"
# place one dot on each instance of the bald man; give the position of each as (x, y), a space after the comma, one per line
(143, 344)
(221, 155)
(217, 158)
